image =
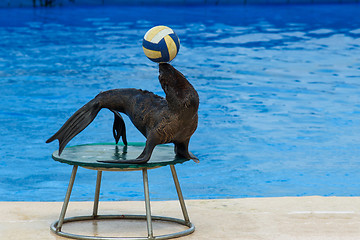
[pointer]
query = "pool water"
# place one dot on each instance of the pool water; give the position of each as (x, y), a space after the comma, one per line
(279, 88)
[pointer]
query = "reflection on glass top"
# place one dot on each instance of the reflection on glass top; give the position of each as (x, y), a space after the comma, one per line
(90, 154)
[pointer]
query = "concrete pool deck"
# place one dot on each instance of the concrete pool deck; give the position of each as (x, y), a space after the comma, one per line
(285, 218)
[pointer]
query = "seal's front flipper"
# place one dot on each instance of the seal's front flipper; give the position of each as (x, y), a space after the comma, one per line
(144, 157)
(193, 157)
(182, 150)
(76, 123)
(119, 129)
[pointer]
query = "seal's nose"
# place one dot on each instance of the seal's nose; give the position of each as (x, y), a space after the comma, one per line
(164, 68)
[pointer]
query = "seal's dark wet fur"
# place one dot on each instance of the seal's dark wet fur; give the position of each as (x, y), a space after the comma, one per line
(161, 120)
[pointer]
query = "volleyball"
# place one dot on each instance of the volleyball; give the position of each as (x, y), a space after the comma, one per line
(161, 44)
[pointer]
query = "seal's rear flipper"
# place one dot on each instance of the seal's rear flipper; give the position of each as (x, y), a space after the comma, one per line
(119, 129)
(76, 123)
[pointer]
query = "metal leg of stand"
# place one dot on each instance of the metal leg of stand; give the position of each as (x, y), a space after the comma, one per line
(147, 204)
(67, 198)
(97, 194)
(181, 198)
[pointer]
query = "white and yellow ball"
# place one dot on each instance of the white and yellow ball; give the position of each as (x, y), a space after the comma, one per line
(161, 44)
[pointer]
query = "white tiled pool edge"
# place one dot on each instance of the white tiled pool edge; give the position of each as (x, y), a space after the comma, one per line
(247, 218)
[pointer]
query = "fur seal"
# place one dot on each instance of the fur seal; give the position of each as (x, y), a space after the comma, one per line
(172, 119)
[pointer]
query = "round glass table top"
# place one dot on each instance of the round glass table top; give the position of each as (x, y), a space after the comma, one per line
(89, 155)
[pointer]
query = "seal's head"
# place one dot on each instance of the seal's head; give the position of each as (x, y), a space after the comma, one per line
(179, 92)
(169, 77)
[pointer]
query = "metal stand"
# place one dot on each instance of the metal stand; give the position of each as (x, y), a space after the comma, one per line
(56, 226)
(67, 198)
(97, 194)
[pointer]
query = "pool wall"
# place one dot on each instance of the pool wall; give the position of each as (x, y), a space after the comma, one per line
(39, 3)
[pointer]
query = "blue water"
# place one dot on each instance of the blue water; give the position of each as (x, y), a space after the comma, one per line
(279, 89)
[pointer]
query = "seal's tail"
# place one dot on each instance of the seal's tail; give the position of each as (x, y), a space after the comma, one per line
(76, 123)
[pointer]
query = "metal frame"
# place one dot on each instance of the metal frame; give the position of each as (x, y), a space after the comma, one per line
(57, 225)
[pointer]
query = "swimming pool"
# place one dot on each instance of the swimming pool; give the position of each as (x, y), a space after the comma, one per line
(279, 90)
